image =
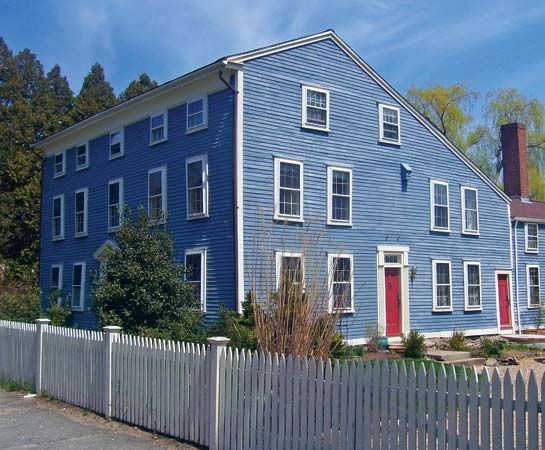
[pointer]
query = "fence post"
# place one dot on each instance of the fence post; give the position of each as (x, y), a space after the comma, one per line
(218, 346)
(41, 325)
(111, 334)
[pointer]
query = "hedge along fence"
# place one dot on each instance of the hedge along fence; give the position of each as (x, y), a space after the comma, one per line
(230, 399)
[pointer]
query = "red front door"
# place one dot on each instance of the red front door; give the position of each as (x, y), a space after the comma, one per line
(504, 301)
(393, 301)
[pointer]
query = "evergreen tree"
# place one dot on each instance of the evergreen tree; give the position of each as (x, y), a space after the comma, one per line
(96, 95)
(137, 87)
(61, 100)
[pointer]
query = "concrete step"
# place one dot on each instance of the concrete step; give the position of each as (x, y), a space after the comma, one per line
(469, 362)
(448, 355)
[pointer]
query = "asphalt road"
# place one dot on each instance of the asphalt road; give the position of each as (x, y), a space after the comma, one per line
(38, 423)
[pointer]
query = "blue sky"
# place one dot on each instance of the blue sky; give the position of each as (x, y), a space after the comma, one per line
(487, 44)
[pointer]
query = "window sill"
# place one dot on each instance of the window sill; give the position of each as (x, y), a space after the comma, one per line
(532, 252)
(85, 166)
(197, 128)
(309, 126)
(114, 229)
(80, 235)
(151, 144)
(59, 175)
(534, 306)
(119, 155)
(473, 309)
(154, 223)
(289, 219)
(389, 141)
(58, 238)
(440, 230)
(339, 224)
(442, 310)
(198, 216)
(471, 233)
(343, 311)
(77, 308)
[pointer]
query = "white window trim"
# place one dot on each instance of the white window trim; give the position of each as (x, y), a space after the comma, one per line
(121, 203)
(432, 207)
(330, 220)
(165, 127)
(163, 170)
(278, 259)
(381, 137)
(528, 267)
(277, 215)
(86, 165)
(60, 236)
(204, 124)
(204, 159)
(469, 307)
(526, 248)
(434, 285)
(202, 252)
(304, 123)
(122, 146)
(463, 194)
(85, 212)
(63, 171)
(81, 304)
(330, 258)
(59, 288)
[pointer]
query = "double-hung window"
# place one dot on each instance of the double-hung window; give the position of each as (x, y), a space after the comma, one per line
(340, 271)
(442, 285)
(533, 286)
(116, 144)
(288, 190)
(195, 263)
(197, 186)
(82, 156)
(439, 205)
(78, 286)
(196, 115)
(58, 217)
(472, 285)
(81, 200)
(339, 196)
(532, 237)
(157, 194)
(315, 108)
(115, 204)
(289, 270)
(470, 210)
(59, 164)
(389, 126)
(158, 128)
(56, 282)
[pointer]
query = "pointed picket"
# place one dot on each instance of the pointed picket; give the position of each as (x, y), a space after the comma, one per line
(452, 410)
(335, 405)
(320, 383)
(275, 398)
(311, 410)
(351, 418)
(508, 434)
(384, 391)
(375, 405)
(403, 389)
(282, 380)
(431, 401)
(296, 419)
(520, 411)
(421, 408)
(496, 401)
(462, 408)
(533, 400)
(360, 391)
(473, 418)
(485, 409)
(267, 401)
(303, 409)
(326, 428)
(343, 408)
(393, 430)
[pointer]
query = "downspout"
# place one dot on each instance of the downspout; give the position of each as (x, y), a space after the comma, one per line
(235, 189)
(517, 276)
(40, 228)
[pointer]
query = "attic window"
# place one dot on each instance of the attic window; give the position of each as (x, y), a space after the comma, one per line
(116, 144)
(158, 128)
(315, 108)
(389, 124)
(196, 115)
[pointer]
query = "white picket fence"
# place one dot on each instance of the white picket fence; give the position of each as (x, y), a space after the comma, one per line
(237, 400)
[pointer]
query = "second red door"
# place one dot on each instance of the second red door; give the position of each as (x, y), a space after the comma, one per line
(393, 301)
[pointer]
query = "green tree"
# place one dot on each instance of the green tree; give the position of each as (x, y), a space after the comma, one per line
(141, 286)
(137, 87)
(61, 101)
(96, 95)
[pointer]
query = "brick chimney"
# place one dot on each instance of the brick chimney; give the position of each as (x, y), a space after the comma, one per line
(515, 160)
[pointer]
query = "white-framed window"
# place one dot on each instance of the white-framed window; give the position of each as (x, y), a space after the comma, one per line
(196, 176)
(158, 128)
(533, 288)
(339, 196)
(58, 217)
(389, 124)
(472, 285)
(531, 233)
(315, 108)
(195, 262)
(439, 206)
(115, 204)
(78, 286)
(117, 147)
(56, 281)
(82, 156)
(59, 164)
(341, 282)
(470, 210)
(157, 194)
(442, 285)
(197, 114)
(80, 203)
(289, 269)
(288, 189)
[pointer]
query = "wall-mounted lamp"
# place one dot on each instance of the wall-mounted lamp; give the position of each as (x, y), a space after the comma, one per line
(406, 171)
(412, 273)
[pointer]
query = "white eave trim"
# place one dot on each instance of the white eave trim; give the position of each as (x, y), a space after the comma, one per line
(330, 34)
(527, 219)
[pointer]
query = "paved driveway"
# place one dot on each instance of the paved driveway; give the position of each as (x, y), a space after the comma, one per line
(43, 424)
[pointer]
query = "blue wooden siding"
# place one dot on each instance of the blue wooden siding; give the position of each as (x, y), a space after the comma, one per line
(214, 233)
(528, 315)
(382, 212)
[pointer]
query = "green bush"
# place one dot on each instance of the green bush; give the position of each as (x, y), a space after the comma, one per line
(457, 342)
(19, 293)
(489, 349)
(341, 350)
(240, 328)
(414, 343)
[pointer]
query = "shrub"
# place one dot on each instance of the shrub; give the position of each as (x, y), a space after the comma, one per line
(457, 341)
(341, 350)
(19, 293)
(414, 343)
(239, 328)
(58, 312)
(489, 349)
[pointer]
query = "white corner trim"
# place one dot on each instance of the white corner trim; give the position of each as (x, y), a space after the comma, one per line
(239, 206)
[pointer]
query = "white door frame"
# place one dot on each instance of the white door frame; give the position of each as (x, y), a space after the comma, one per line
(403, 251)
(509, 276)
